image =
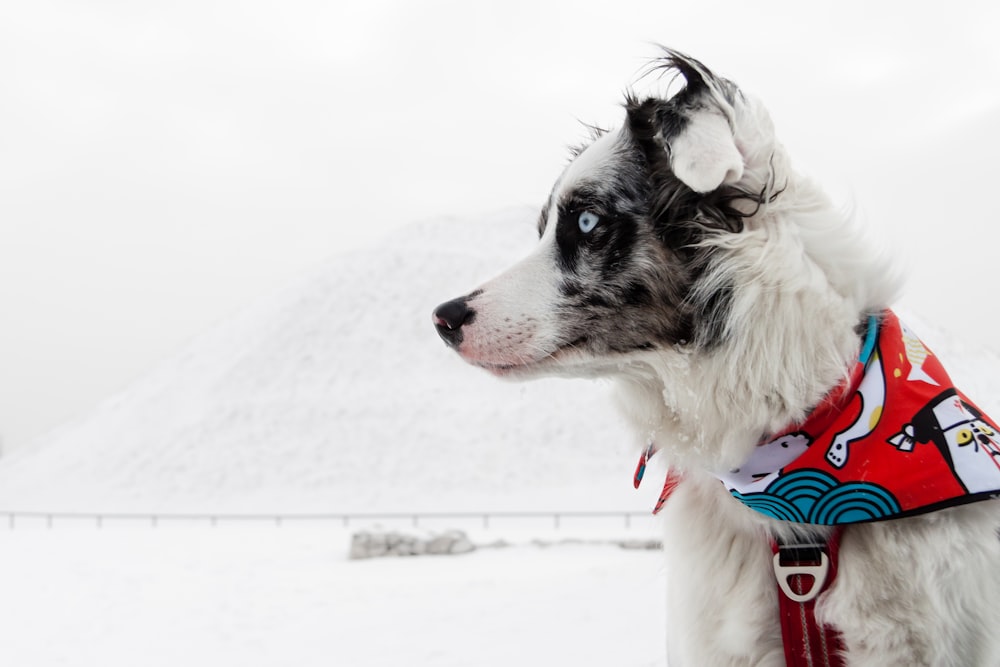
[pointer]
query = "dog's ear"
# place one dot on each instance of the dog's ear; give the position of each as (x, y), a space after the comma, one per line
(692, 129)
(703, 155)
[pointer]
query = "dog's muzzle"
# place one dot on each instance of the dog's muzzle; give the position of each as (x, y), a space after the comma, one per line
(450, 317)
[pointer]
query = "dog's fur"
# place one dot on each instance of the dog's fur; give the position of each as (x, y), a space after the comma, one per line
(725, 294)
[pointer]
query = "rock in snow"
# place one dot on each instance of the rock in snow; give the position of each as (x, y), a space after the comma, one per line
(367, 544)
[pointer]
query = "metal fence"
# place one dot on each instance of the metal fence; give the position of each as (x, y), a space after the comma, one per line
(556, 519)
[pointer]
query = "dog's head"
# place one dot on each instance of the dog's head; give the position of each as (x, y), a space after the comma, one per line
(628, 240)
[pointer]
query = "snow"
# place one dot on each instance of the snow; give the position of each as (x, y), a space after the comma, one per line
(267, 596)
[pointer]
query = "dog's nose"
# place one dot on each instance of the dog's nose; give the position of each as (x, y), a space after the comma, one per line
(449, 318)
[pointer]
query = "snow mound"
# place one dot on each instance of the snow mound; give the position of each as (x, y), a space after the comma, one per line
(337, 395)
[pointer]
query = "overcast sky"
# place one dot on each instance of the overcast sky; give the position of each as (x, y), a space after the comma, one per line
(163, 164)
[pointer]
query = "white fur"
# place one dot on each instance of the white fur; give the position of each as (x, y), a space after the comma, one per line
(704, 155)
(522, 335)
(916, 591)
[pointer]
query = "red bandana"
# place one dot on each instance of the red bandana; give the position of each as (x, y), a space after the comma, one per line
(897, 440)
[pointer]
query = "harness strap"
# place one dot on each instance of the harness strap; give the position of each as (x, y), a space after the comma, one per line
(804, 570)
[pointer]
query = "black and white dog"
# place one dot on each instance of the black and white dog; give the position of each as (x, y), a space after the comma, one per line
(682, 256)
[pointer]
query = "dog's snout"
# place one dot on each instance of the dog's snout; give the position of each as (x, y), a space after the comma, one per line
(450, 317)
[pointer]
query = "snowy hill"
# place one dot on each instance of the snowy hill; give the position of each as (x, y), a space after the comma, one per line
(336, 395)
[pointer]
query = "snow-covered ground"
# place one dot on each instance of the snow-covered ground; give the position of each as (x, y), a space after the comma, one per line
(263, 596)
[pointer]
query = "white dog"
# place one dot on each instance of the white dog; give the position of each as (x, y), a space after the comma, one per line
(682, 256)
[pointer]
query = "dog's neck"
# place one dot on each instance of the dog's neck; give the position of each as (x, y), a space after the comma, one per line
(801, 286)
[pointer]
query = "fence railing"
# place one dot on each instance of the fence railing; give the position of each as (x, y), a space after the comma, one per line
(99, 519)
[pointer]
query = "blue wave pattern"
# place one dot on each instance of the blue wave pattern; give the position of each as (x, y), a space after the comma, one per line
(816, 497)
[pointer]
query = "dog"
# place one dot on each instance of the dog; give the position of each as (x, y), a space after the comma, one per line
(682, 256)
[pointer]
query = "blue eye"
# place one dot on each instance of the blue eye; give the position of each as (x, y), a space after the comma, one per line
(588, 221)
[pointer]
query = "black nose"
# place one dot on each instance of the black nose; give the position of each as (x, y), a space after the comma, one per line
(449, 318)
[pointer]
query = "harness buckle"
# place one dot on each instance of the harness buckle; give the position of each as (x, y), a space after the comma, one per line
(801, 560)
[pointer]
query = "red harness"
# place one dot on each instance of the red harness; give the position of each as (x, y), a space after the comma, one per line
(803, 571)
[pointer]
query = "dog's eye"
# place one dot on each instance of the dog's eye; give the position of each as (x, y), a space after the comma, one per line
(588, 221)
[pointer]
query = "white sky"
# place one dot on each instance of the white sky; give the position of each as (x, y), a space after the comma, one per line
(162, 164)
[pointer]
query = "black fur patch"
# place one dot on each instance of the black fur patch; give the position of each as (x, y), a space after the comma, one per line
(629, 284)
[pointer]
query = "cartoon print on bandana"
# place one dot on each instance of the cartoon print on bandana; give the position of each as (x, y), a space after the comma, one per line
(871, 392)
(967, 443)
(766, 462)
(916, 354)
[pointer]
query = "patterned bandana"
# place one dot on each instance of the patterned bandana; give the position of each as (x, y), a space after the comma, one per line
(896, 440)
